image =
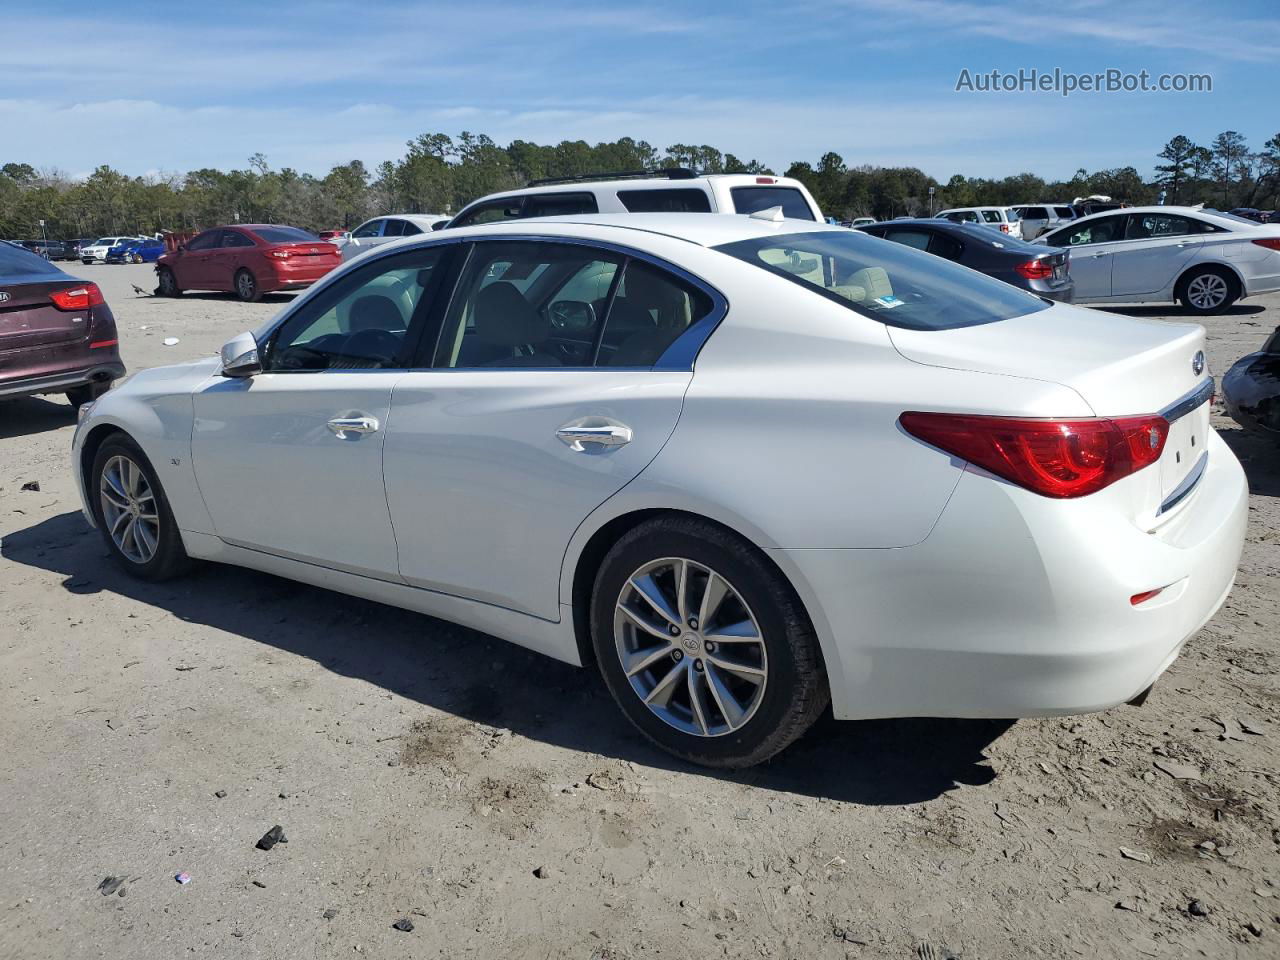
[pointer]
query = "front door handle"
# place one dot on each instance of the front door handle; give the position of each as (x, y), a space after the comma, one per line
(341, 426)
(609, 435)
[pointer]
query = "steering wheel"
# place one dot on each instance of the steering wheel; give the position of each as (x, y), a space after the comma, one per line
(379, 345)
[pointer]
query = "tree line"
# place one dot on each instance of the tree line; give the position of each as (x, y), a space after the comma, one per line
(440, 174)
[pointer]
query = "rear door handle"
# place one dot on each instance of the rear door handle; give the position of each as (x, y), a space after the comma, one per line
(341, 426)
(610, 435)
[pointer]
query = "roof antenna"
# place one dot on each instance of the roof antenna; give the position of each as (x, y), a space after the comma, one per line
(772, 214)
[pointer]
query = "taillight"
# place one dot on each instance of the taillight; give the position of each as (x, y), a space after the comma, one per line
(1004, 228)
(765, 180)
(1054, 458)
(1039, 269)
(78, 298)
(278, 254)
(1271, 243)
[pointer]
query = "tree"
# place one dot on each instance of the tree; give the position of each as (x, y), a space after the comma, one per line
(1229, 153)
(1173, 174)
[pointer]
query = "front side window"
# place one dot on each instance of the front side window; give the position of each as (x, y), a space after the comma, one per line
(362, 323)
(205, 241)
(681, 200)
(495, 211)
(889, 283)
(754, 199)
(559, 204)
(1104, 230)
(371, 229)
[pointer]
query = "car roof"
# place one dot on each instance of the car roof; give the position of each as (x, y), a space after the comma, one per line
(642, 183)
(1215, 215)
(970, 231)
(703, 229)
(421, 218)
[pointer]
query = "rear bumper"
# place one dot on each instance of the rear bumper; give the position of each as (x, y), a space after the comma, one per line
(294, 279)
(1016, 606)
(63, 380)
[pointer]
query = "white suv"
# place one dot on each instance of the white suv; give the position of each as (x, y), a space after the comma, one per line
(1004, 219)
(98, 250)
(675, 190)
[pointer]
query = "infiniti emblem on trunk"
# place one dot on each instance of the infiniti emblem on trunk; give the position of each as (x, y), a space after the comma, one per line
(3, 296)
(1197, 363)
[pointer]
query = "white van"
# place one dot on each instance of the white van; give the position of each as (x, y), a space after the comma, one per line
(675, 190)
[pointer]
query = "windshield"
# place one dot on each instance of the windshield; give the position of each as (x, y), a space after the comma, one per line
(284, 235)
(886, 281)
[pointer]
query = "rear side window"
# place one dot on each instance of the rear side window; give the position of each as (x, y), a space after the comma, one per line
(886, 282)
(755, 199)
(1103, 230)
(909, 238)
(684, 200)
(649, 312)
(1066, 213)
(559, 204)
(992, 216)
(1033, 213)
(234, 238)
(369, 229)
(285, 235)
(17, 262)
(495, 211)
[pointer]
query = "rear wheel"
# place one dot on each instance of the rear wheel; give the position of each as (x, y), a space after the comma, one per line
(79, 396)
(247, 286)
(167, 283)
(1208, 290)
(704, 645)
(133, 513)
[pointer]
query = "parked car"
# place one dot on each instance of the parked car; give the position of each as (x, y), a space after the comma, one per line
(57, 334)
(247, 260)
(675, 190)
(1004, 219)
(1036, 269)
(1248, 213)
(542, 429)
(1205, 261)
(373, 233)
(1097, 203)
(1251, 389)
(861, 221)
(1038, 218)
(49, 249)
(334, 236)
(136, 251)
(98, 249)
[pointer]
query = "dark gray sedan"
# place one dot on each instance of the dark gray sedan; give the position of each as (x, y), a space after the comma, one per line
(1044, 271)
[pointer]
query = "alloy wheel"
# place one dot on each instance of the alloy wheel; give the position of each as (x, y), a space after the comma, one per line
(244, 285)
(690, 647)
(1208, 291)
(129, 509)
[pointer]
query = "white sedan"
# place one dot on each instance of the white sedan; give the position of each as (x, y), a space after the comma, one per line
(744, 465)
(380, 230)
(1203, 259)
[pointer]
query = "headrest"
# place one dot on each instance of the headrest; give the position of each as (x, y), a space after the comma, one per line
(374, 312)
(504, 318)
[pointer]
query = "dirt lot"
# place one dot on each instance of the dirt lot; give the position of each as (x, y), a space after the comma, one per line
(423, 771)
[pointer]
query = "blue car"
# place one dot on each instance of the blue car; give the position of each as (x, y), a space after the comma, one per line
(136, 251)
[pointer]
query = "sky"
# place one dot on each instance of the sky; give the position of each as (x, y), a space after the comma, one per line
(151, 87)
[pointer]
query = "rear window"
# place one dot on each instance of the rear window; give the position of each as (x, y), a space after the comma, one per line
(17, 262)
(755, 199)
(685, 200)
(284, 235)
(887, 282)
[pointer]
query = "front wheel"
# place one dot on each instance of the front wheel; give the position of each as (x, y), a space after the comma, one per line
(1208, 290)
(167, 283)
(247, 287)
(133, 512)
(704, 645)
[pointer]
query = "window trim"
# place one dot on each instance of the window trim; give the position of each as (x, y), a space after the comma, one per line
(680, 354)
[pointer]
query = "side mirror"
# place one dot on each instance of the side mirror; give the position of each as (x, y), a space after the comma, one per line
(240, 357)
(181, 248)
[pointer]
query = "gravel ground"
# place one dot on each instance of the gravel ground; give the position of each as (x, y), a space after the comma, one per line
(501, 804)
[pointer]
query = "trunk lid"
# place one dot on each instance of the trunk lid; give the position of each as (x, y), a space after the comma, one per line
(1121, 366)
(307, 251)
(28, 317)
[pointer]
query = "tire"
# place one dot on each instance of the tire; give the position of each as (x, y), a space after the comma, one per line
(773, 639)
(246, 285)
(167, 283)
(167, 558)
(1208, 290)
(87, 393)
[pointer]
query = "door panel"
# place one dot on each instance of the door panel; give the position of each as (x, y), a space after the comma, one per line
(485, 495)
(277, 477)
(1091, 270)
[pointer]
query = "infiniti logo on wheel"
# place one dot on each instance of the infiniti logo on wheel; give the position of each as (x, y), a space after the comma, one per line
(1197, 363)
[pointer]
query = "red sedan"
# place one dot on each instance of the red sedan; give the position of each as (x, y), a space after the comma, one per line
(247, 260)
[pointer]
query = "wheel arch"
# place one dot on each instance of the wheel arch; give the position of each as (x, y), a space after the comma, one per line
(592, 543)
(1219, 266)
